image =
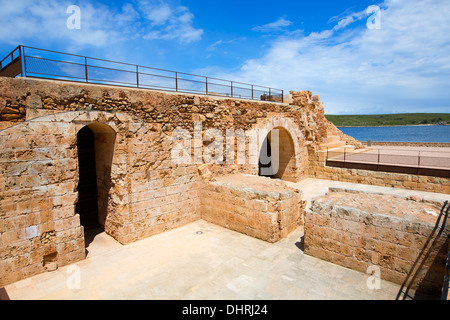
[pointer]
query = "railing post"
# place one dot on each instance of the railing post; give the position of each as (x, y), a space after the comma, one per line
(86, 68)
(24, 63)
(206, 85)
(21, 61)
(418, 164)
(282, 96)
(176, 81)
(231, 88)
(345, 157)
(378, 163)
(137, 76)
(252, 92)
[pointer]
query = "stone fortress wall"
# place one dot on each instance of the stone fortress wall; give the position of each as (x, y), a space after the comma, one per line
(141, 191)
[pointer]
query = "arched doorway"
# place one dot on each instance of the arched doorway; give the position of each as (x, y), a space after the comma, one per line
(95, 144)
(277, 156)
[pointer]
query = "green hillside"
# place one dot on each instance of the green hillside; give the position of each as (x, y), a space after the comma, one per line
(401, 119)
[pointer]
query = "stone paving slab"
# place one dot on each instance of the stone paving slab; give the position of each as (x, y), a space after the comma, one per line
(218, 264)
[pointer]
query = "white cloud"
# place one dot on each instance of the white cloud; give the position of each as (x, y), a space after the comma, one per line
(174, 23)
(349, 19)
(101, 25)
(278, 25)
(403, 67)
(221, 42)
(157, 14)
(46, 20)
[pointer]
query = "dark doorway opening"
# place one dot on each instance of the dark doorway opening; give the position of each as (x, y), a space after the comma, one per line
(87, 205)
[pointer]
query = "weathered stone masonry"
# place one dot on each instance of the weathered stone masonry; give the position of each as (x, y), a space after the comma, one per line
(141, 191)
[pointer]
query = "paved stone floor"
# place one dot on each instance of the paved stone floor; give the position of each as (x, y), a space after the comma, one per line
(216, 264)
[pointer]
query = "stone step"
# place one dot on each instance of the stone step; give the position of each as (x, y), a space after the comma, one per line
(366, 149)
(331, 138)
(338, 151)
(341, 149)
(330, 145)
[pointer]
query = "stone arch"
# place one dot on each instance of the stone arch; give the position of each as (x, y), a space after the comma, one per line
(40, 179)
(277, 156)
(287, 144)
(106, 127)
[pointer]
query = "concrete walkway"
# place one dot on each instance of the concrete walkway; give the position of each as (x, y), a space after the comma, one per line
(216, 263)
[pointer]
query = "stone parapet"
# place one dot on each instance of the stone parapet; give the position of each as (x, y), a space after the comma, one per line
(259, 207)
(409, 249)
(387, 179)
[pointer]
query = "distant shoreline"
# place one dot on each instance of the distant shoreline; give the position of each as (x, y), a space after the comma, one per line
(389, 120)
(408, 144)
(405, 133)
(393, 125)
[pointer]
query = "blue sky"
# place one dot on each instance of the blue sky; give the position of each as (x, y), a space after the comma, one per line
(322, 46)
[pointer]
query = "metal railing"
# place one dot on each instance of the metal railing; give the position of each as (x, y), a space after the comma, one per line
(434, 163)
(413, 158)
(49, 64)
(11, 65)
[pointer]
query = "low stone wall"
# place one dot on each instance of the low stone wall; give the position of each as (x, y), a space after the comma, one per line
(386, 179)
(357, 238)
(257, 206)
